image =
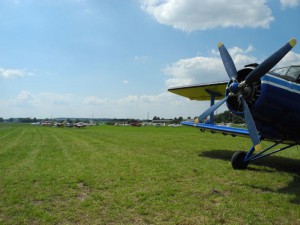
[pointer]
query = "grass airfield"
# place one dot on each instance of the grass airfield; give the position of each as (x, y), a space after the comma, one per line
(140, 175)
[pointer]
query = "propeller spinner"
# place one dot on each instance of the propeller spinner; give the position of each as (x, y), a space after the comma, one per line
(240, 90)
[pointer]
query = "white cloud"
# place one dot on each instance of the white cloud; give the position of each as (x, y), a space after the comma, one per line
(290, 3)
(144, 99)
(41, 99)
(49, 105)
(125, 81)
(11, 73)
(138, 106)
(141, 59)
(25, 96)
(194, 70)
(127, 100)
(54, 98)
(23, 99)
(190, 15)
(291, 58)
(40, 104)
(93, 100)
(205, 69)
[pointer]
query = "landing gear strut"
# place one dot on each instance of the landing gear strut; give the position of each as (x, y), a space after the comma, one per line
(240, 159)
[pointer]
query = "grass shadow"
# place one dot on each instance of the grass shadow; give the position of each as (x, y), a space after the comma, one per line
(279, 163)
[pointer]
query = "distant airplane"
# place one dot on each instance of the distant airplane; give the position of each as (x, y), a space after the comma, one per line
(268, 100)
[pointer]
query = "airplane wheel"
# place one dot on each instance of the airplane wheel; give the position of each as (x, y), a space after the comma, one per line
(237, 160)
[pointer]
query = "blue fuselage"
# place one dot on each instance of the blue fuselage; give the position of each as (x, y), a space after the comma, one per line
(277, 110)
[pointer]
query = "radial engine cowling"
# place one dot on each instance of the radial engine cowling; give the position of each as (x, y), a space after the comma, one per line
(250, 92)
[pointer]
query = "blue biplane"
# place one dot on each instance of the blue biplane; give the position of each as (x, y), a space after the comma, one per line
(267, 99)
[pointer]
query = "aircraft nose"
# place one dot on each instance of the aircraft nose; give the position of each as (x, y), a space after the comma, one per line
(234, 87)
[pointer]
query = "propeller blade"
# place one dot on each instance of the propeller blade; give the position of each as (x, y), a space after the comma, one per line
(270, 62)
(227, 61)
(251, 125)
(211, 109)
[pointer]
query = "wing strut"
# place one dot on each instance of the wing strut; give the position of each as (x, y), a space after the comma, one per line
(213, 96)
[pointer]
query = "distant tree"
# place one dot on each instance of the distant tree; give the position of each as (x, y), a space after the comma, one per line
(1, 120)
(228, 117)
(86, 120)
(25, 120)
(236, 119)
(178, 120)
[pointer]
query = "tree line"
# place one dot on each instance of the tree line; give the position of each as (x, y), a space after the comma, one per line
(225, 117)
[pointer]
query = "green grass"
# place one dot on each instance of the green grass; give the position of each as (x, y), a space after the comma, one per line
(146, 175)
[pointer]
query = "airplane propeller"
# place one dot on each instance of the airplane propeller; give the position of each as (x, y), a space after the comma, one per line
(239, 89)
(270, 62)
(251, 125)
(227, 61)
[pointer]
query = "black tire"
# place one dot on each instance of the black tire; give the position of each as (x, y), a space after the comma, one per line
(237, 160)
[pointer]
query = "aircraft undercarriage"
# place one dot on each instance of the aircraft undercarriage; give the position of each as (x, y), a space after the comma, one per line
(241, 159)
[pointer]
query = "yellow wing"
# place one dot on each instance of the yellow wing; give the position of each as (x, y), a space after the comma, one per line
(202, 92)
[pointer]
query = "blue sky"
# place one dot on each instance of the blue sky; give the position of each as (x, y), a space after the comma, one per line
(117, 58)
